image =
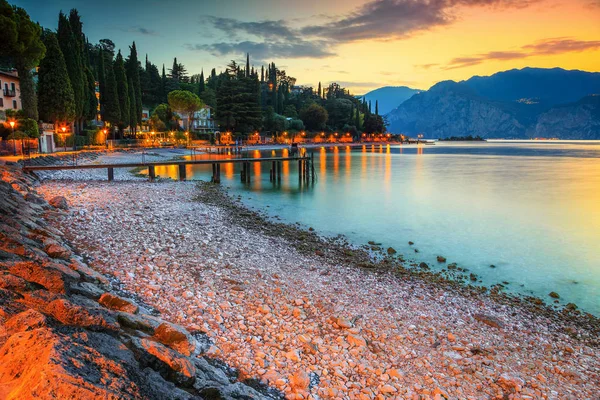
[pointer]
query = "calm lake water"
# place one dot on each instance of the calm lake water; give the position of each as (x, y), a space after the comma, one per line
(531, 209)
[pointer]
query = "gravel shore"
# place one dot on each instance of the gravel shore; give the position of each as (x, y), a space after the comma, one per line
(314, 326)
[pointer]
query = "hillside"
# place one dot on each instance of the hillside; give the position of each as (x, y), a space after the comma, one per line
(531, 102)
(390, 97)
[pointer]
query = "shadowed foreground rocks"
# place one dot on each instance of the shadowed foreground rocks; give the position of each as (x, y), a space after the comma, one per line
(65, 333)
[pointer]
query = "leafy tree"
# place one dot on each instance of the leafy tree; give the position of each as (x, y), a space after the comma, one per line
(185, 102)
(314, 117)
(55, 95)
(339, 111)
(290, 111)
(122, 91)
(273, 122)
(21, 46)
(295, 125)
(71, 49)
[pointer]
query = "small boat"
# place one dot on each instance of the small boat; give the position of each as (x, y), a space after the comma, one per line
(430, 143)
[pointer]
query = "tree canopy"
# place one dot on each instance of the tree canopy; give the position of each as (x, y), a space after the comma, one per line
(185, 102)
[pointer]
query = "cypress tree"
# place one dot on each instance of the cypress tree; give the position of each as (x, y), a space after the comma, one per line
(247, 65)
(92, 101)
(262, 73)
(133, 75)
(320, 90)
(133, 121)
(71, 49)
(101, 81)
(376, 107)
(110, 100)
(55, 96)
(370, 107)
(163, 86)
(274, 82)
(357, 118)
(122, 90)
(201, 84)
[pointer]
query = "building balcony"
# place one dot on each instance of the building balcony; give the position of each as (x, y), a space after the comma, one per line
(9, 93)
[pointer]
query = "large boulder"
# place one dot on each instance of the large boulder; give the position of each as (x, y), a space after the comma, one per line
(175, 337)
(172, 365)
(75, 315)
(116, 303)
(59, 202)
(49, 278)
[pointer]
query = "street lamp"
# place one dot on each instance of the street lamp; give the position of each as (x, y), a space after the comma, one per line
(12, 125)
(64, 129)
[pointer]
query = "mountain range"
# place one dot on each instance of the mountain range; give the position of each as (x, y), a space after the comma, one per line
(525, 103)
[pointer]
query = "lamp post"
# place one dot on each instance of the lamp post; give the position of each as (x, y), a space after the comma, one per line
(12, 125)
(64, 129)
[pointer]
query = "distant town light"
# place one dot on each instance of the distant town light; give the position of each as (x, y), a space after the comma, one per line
(12, 124)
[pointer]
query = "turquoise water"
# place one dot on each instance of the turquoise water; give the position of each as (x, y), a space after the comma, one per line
(531, 209)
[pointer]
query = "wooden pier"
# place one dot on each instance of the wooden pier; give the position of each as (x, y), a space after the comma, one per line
(306, 170)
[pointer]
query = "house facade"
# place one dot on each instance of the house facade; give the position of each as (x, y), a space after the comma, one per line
(10, 92)
(203, 121)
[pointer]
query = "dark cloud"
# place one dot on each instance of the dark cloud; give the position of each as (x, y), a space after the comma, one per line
(542, 47)
(561, 45)
(265, 50)
(385, 19)
(141, 30)
(276, 30)
(378, 19)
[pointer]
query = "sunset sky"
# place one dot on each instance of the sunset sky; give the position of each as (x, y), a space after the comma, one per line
(360, 44)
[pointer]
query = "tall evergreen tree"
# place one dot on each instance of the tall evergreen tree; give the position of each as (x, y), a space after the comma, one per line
(376, 107)
(262, 73)
(133, 74)
(123, 91)
(71, 48)
(163, 86)
(320, 91)
(55, 95)
(92, 101)
(133, 120)
(111, 109)
(101, 80)
(201, 83)
(247, 65)
(274, 93)
(357, 119)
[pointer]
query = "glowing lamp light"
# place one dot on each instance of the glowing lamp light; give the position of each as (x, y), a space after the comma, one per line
(64, 129)
(12, 124)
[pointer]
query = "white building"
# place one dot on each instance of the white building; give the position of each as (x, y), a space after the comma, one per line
(202, 122)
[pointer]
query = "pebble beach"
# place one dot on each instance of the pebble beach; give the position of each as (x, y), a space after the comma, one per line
(313, 327)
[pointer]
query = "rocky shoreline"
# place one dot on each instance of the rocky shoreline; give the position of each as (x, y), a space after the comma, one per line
(580, 325)
(314, 317)
(67, 332)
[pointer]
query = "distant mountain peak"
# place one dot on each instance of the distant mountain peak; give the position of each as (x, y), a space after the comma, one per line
(390, 97)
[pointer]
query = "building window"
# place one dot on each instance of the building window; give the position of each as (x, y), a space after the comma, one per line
(12, 87)
(15, 104)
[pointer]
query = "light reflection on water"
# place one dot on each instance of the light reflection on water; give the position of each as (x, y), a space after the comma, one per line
(530, 209)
